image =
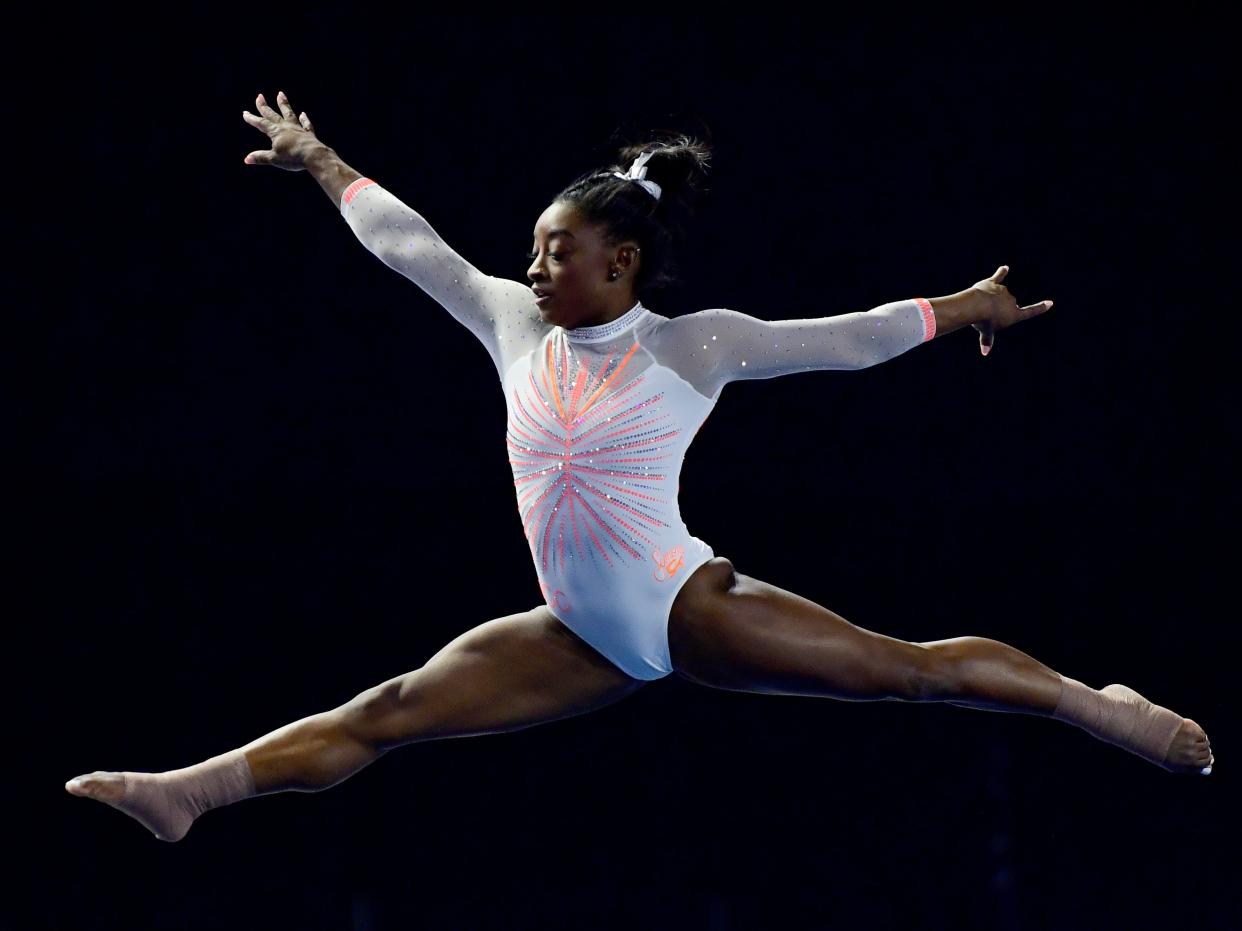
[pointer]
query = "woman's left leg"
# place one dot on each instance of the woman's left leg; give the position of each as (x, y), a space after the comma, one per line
(732, 631)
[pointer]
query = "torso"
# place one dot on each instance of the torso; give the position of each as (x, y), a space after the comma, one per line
(597, 432)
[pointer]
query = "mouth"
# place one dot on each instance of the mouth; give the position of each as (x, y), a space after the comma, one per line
(541, 297)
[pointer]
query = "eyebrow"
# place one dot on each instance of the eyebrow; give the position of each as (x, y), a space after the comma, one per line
(561, 232)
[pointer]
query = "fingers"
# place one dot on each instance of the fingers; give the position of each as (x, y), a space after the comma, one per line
(986, 335)
(987, 331)
(261, 103)
(261, 157)
(999, 275)
(269, 122)
(1039, 308)
(272, 123)
(285, 108)
(1006, 313)
(267, 111)
(262, 124)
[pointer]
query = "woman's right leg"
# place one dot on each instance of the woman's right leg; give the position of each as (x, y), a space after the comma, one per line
(505, 675)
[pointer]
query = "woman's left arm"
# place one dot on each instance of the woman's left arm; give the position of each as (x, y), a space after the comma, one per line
(718, 346)
(727, 345)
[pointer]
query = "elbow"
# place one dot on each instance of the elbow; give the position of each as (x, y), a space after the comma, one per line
(371, 238)
(396, 249)
(873, 356)
(386, 253)
(865, 356)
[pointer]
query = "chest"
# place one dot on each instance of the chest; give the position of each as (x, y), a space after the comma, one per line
(614, 408)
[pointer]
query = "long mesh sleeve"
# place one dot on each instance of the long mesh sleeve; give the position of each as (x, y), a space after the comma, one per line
(714, 347)
(500, 312)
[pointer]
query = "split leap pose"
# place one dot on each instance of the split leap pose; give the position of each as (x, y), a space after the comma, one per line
(604, 396)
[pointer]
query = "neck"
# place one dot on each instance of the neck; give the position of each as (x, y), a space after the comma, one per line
(610, 327)
(615, 307)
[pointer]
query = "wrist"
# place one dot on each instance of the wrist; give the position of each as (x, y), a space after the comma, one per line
(316, 155)
(333, 175)
(955, 311)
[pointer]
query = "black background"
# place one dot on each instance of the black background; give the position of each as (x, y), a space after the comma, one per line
(270, 471)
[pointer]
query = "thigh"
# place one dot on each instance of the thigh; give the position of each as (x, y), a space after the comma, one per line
(504, 675)
(743, 634)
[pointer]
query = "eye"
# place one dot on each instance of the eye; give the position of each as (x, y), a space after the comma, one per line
(552, 255)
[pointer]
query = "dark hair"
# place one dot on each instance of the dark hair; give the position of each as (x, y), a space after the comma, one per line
(625, 210)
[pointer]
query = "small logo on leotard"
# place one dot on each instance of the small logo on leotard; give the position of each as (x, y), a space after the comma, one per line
(669, 562)
(555, 599)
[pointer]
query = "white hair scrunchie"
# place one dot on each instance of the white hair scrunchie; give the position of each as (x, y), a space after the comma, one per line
(638, 172)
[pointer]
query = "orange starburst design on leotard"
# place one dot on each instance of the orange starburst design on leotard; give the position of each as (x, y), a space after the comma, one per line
(669, 563)
(589, 447)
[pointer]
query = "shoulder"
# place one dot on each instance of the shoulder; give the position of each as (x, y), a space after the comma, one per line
(510, 304)
(510, 291)
(715, 323)
(686, 335)
(691, 345)
(698, 320)
(714, 316)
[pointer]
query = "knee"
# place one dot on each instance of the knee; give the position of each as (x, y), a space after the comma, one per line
(934, 673)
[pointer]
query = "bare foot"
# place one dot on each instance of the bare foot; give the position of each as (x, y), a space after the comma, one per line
(1191, 751)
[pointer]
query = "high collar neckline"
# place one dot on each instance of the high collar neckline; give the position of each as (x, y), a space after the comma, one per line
(593, 334)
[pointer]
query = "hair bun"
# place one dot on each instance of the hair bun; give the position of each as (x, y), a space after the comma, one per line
(645, 198)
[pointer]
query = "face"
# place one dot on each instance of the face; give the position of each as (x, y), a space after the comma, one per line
(572, 263)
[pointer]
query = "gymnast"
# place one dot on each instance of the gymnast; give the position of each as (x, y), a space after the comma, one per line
(604, 395)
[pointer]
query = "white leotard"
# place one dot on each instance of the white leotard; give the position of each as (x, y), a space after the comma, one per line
(599, 420)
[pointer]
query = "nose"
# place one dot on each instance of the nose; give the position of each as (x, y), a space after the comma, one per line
(535, 271)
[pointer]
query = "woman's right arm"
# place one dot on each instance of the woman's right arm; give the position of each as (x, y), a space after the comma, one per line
(403, 240)
(496, 310)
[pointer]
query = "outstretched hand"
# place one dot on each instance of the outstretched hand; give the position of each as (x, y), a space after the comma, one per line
(1002, 310)
(292, 135)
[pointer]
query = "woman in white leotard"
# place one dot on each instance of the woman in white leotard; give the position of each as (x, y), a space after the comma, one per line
(604, 395)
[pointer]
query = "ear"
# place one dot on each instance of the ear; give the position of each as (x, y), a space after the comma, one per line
(627, 254)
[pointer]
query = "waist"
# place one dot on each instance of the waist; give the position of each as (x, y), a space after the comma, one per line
(605, 582)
